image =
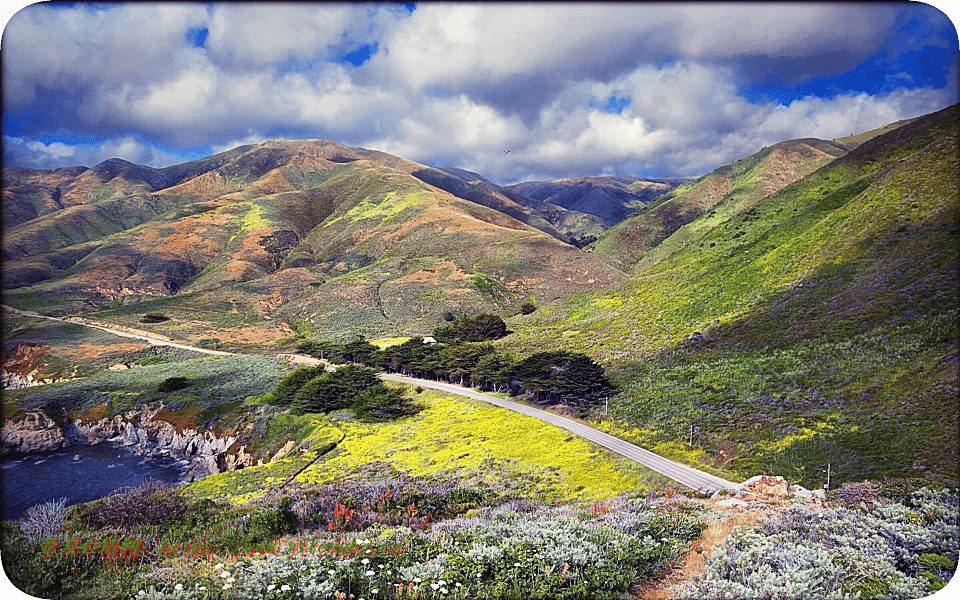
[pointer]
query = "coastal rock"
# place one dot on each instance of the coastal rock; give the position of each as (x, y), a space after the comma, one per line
(36, 432)
(283, 451)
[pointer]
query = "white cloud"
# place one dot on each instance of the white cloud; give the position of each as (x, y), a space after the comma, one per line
(37, 155)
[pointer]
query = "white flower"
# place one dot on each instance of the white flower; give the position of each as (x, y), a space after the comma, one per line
(374, 591)
(459, 584)
(227, 586)
(202, 588)
(284, 588)
(225, 574)
(231, 579)
(417, 580)
(516, 564)
(178, 587)
(369, 573)
(434, 586)
(442, 582)
(218, 566)
(478, 575)
(443, 590)
(331, 572)
(141, 593)
(270, 587)
(365, 561)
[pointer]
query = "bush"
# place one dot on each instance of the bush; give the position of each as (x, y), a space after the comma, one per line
(154, 318)
(44, 520)
(150, 503)
(527, 308)
(171, 384)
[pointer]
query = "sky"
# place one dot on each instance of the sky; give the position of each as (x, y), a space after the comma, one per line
(642, 89)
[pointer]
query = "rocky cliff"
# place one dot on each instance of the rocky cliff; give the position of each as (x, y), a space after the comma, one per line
(139, 430)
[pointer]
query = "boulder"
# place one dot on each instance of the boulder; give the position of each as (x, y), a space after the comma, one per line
(36, 432)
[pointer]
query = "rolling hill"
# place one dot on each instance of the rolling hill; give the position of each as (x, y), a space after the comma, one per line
(296, 230)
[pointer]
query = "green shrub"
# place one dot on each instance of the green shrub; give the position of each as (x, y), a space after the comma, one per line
(171, 384)
(154, 318)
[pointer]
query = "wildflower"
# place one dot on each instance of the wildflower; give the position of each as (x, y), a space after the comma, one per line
(374, 591)
(218, 566)
(369, 573)
(141, 593)
(178, 587)
(516, 564)
(434, 586)
(231, 579)
(227, 586)
(284, 588)
(442, 582)
(417, 580)
(459, 584)
(365, 561)
(331, 572)
(202, 588)
(270, 587)
(225, 574)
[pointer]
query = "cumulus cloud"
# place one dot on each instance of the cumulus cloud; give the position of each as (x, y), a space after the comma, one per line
(450, 84)
(38, 155)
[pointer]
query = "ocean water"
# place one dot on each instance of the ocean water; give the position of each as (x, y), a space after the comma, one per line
(26, 480)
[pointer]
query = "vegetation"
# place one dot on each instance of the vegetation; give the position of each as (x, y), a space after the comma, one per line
(878, 549)
(547, 377)
(479, 328)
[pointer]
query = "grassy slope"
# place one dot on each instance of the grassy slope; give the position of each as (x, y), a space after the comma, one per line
(829, 306)
(731, 188)
(454, 438)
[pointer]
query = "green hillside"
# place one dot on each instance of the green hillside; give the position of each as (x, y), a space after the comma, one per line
(735, 186)
(814, 324)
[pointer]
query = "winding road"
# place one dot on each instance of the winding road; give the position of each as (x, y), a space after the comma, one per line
(679, 472)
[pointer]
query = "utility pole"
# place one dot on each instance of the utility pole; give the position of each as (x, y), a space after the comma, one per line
(691, 435)
(826, 488)
(606, 405)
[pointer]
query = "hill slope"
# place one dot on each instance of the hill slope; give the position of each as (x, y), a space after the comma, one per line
(587, 206)
(737, 185)
(286, 229)
(814, 324)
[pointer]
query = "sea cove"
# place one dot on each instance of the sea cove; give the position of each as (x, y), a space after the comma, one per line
(99, 470)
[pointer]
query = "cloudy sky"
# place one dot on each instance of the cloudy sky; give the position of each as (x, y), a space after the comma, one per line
(571, 90)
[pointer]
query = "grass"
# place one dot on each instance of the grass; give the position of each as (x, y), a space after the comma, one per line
(474, 442)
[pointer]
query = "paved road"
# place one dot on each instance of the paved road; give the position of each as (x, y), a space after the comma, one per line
(678, 472)
(145, 338)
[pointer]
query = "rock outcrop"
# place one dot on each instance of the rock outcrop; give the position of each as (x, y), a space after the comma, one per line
(206, 452)
(35, 432)
(767, 488)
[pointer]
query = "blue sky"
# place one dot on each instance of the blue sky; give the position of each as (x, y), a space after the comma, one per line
(574, 89)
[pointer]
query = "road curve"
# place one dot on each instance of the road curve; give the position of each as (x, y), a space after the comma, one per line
(681, 473)
(144, 338)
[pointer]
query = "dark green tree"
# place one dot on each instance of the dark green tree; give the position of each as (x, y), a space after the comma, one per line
(289, 386)
(560, 376)
(334, 390)
(480, 328)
